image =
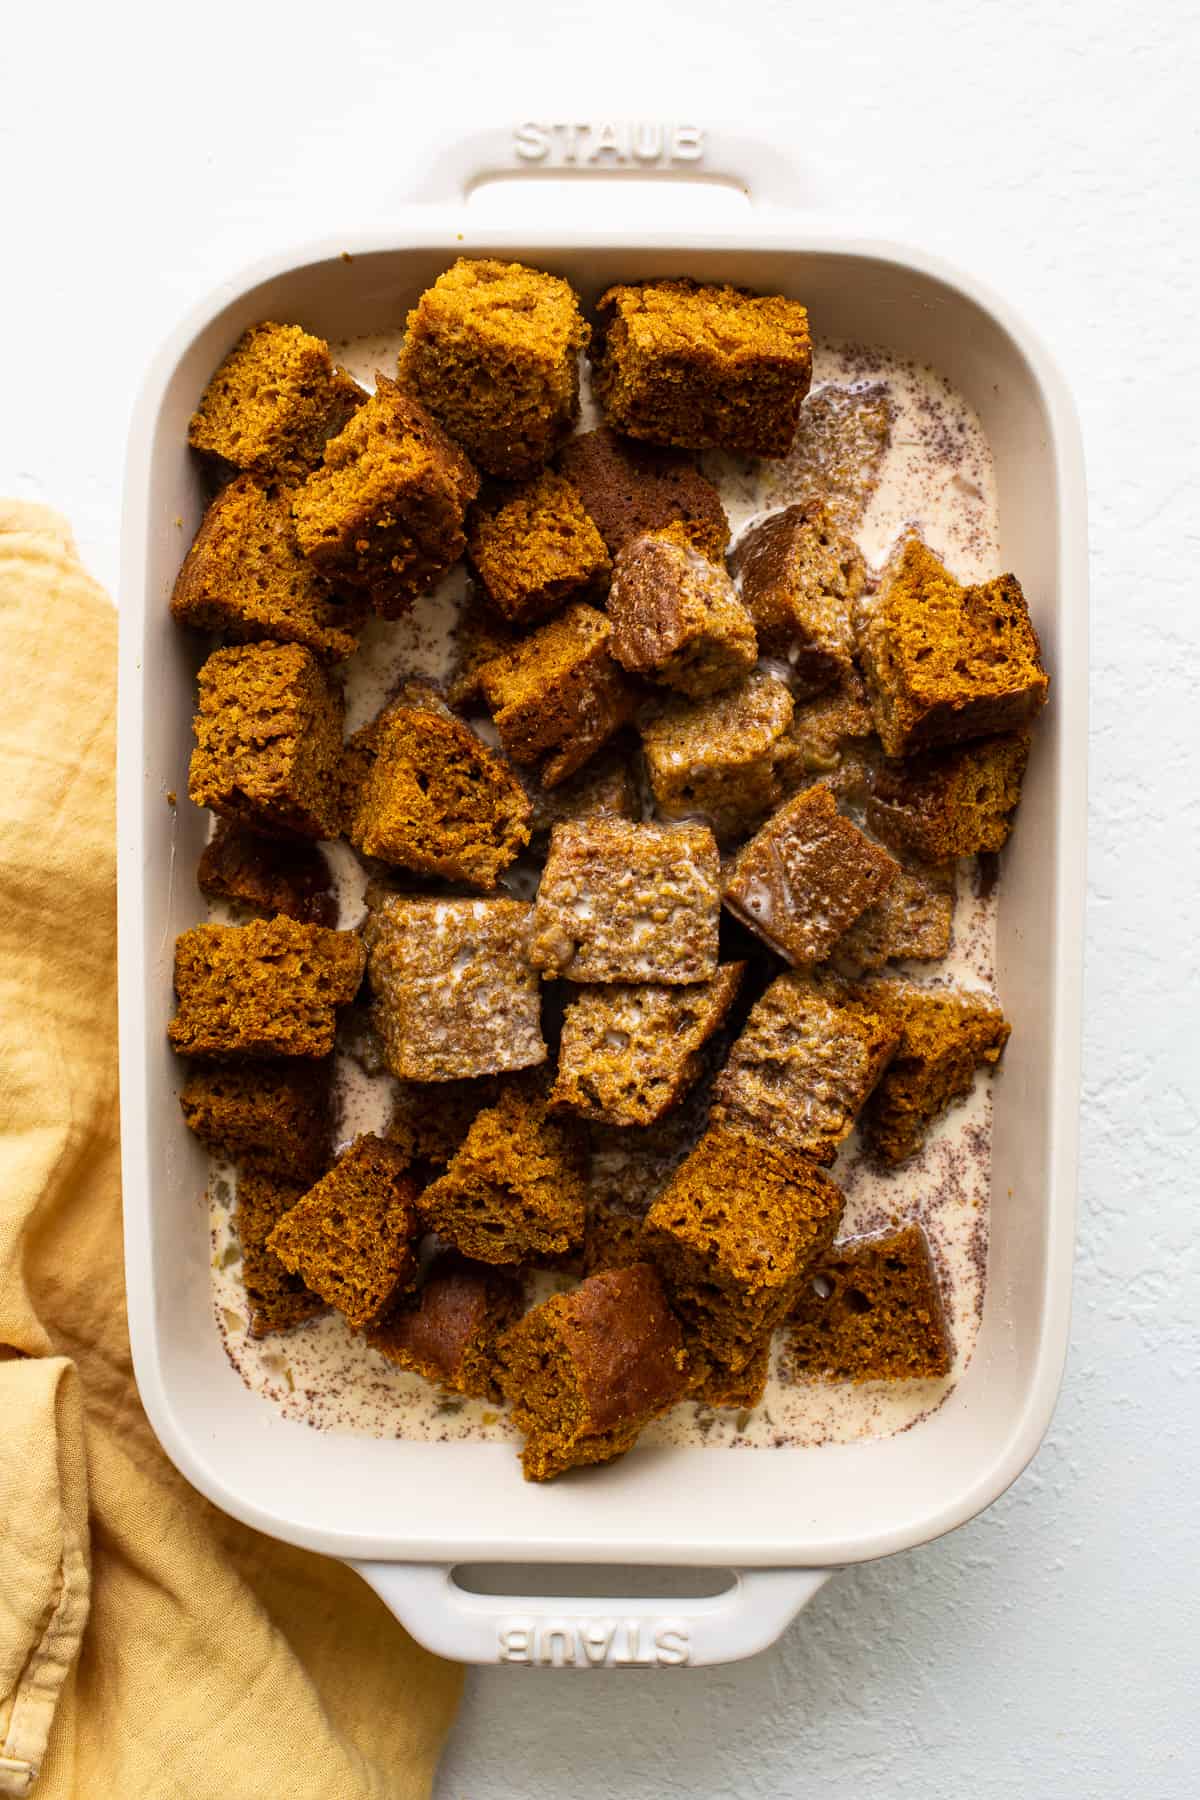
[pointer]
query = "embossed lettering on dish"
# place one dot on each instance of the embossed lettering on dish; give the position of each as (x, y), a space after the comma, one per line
(598, 1642)
(608, 144)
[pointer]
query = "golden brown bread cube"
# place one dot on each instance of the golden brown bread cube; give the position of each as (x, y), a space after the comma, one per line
(273, 403)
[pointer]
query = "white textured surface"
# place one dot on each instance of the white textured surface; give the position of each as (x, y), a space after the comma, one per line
(1049, 1648)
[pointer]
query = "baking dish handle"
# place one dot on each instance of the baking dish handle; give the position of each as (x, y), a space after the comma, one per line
(593, 1633)
(660, 152)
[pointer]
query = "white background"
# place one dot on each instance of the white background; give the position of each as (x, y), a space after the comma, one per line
(1049, 1649)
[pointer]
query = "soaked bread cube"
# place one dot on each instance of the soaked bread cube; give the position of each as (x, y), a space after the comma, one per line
(715, 759)
(734, 1235)
(273, 1116)
(353, 1237)
(944, 662)
(492, 349)
(277, 1299)
(588, 1370)
(629, 488)
(448, 1332)
(605, 788)
(269, 988)
(949, 803)
(913, 921)
(798, 577)
(625, 902)
(455, 992)
(702, 367)
(536, 547)
(612, 1239)
(557, 695)
(268, 730)
(514, 1189)
(267, 875)
(629, 1054)
(826, 732)
(247, 577)
(436, 800)
(384, 513)
(837, 453)
(946, 1034)
(676, 617)
(802, 1069)
(274, 402)
(872, 1312)
(714, 1383)
(806, 876)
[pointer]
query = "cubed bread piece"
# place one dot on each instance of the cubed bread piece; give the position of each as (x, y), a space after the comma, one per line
(455, 992)
(430, 1119)
(384, 513)
(274, 402)
(536, 547)
(605, 788)
(913, 921)
(269, 988)
(944, 662)
(353, 1237)
(714, 1383)
(953, 802)
(268, 729)
(802, 1069)
(267, 875)
(823, 732)
(361, 749)
(438, 801)
(247, 577)
(273, 1116)
(588, 1370)
(515, 1187)
(872, 1312)
(628, 1168)
(676, 617)
(946, 1035)
(557, 695)
(715, 758)
(837, 454)
(479, 637)
(624, 902)
(277, 1299)
(799, 577)
(612, 1239)
(702, 367)
(805, 876)
(735, 1233)
(448, 1332)
(629, 488)
(492, 349)
(629, 1054)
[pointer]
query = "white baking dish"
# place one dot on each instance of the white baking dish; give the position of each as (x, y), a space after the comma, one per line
(405, 1513)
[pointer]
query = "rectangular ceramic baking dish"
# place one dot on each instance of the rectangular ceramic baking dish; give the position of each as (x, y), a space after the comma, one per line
(407, 1513)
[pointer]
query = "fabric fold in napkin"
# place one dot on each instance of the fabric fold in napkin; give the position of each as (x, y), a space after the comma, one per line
(149, 1646)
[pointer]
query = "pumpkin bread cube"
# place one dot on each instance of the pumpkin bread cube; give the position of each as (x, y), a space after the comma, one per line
(944, 662)
(715, 759)
(872, 1312)
(277, 1299)
(676, 617)
(799, 577)
(837, 454)
(612, 1239)
(628, 903)
(270, 988)
(734, 1234)
(267, 875)
(629, 1053)
(515, 1187)
(273, 1116)
(629, 488)
(273, 403)
(715, 1384)
(384, 512)
(826, 733)
(557, 695)
(492, 349)
(535, 548)
(946, 1034)
(430, 1119)
(268, 729)
(802, 1069)
(806, 876)
(448, 1332)
(353, 1237)
(605, 788)
(587, 1371)
(702, 367)
(247, 577)
(912, 921)
(953, 802)
(455, 992)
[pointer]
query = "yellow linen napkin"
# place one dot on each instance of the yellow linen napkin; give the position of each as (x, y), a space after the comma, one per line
(148, 1644)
